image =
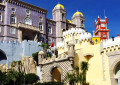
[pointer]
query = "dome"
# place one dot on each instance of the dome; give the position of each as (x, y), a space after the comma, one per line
(41, 53)
(77, 13)
(59, 6)
(69, 21)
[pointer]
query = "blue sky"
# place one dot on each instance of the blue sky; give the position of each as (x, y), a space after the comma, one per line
(90, 9)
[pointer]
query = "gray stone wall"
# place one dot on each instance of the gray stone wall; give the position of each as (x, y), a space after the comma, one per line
(14, 50)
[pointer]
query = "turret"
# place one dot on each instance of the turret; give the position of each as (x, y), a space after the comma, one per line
(59, 15)
(71, 47)
(78, 19)
(40, 57)
(101, 28)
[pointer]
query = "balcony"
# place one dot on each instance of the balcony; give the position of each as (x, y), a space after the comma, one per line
(29, 27)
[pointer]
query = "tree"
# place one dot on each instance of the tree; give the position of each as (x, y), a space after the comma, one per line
(3, 79)
(35, 56)
(15, 77)
(45, 47)
(70, 78)
(31, 78)
(84, 68)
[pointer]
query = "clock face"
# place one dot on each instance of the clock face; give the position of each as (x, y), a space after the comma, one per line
(102, 25)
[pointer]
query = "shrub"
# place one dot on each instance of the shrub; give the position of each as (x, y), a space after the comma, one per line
(49, 83)
(31, 78)
(35, 56)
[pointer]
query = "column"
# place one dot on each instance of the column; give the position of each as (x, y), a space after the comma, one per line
(19, 35)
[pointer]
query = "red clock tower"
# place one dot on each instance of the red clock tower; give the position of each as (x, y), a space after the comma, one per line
(101, 28)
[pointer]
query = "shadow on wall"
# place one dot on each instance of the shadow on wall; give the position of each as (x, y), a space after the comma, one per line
(3, 57)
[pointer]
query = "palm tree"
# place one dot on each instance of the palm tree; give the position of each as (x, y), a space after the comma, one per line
(70, 78)
(84, 68)
(45, 47)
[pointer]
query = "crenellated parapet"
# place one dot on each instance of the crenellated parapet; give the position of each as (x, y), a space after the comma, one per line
(112, 44)
(54, 58)
(73, 31)
(60, 45)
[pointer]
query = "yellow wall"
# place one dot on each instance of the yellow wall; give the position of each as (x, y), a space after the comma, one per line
(98, 73)
(96, 38)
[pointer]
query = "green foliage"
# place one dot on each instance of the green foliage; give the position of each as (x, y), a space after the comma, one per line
(84, 66)
(50, 83)
(3, 79)
(45, 46)
(15, 77)
(35, 56)
(77, 76)
(31, 78)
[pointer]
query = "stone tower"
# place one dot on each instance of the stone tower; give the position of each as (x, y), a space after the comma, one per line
(101, 28)
(59, 15)
(78, 19)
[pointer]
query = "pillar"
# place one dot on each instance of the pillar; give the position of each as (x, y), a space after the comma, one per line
(19, 35)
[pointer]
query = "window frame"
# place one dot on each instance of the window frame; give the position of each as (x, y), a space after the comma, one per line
(50, 39)
(1, 16)
(27, 22)
(11, 30)
(12, 20)
(49, 32)
(41, 26)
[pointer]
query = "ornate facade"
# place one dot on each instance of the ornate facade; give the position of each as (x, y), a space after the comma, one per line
(22, 21)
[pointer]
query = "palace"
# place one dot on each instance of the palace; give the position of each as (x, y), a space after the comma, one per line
(20, 21)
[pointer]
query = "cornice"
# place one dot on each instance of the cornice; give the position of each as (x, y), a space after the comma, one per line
(28, 6)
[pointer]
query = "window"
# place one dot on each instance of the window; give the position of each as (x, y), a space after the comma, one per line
(12, 30)
(40, 26)
(41, 18)
(0, 17)
(12, 19)
(63, 16)
(104, 35)
(49, 40)
(96, 41)
(0, 29)
(27, 11)
(28, 21)
(49, 30)
(13, 9)
(102, 25)
(76, 41)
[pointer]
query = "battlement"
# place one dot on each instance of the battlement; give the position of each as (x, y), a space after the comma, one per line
(60, 45)
(54, 58)
(73, 31)
(85, 36)
(112, 44)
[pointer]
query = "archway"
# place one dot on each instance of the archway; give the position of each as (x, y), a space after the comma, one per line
(56, 75)
(117, 74)
(3, 57)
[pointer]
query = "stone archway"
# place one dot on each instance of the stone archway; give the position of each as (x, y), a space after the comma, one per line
(56, 74)
(117, 74)
(3, 58)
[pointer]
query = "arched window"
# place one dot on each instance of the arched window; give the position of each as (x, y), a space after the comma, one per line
(28, 21)
(0, 17)
(96, 41)
(12, 19)
(40, 26)
(49, 30)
